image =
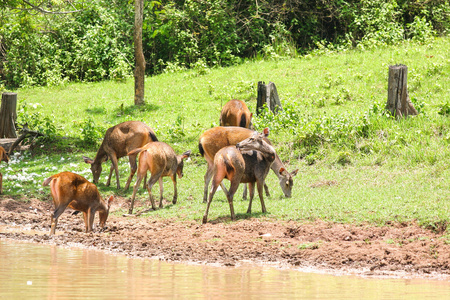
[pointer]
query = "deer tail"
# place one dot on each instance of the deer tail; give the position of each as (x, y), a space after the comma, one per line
(200, 149)
(47, 181)
(152, 136)
(243, 121)
(135, 151)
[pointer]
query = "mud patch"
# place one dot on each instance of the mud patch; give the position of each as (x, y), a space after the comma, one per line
(398, 249)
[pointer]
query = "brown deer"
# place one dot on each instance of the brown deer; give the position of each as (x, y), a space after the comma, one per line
(247, 162)
(214, 139)
(236, 113)
(160, 159)
(3, 157)
(72, 190)
(118, 141)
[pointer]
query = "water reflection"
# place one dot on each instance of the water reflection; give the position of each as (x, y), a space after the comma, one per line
(41, 271)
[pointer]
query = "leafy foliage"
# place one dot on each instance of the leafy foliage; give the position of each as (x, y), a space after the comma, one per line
(96, 43)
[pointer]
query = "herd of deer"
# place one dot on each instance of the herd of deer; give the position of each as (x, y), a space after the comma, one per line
(232, 151)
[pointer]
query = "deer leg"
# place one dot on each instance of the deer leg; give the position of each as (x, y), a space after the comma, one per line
(153, 179)
(251, 187)
(234, 184)
(1, 183)
(111, 169)
(224, 188)
(86, 222)
(208, 176)
(136, 186)
(90, 219)
(214, 187)
(145, 180)
(133, 169)
(54, 223)
(244, 194)
(161, 191)
(260, 186)
(266, 188)
(114, 164)
(58, 211)
(175, 193)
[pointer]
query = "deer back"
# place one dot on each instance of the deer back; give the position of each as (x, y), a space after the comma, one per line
(71, 189)
(127, 136)
(214, 139)
(235, 113)
(156, 157)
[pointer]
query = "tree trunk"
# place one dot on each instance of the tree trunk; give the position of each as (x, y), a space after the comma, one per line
(268, 95)
(8, 115)
(139, 72)
(398, 102)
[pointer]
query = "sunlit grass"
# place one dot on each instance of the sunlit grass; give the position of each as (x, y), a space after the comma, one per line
(399, 173)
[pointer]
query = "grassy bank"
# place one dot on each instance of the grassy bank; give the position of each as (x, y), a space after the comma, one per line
(356, 164)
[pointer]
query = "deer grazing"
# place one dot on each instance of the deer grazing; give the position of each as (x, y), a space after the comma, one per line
(236, 113)
(214, 139)
(3, 157)
(247, 162)
(160, 159)
(72, 190)
(118, 141)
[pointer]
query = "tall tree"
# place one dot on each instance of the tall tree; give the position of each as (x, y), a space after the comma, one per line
(139, 71)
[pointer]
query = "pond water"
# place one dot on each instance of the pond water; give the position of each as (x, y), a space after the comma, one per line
(42, 271)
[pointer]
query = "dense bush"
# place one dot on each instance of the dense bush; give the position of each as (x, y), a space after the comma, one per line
(97, 43)
(91, 45)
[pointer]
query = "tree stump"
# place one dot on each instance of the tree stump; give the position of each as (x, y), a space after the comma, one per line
(8, 115)
(398, 102)
(268, 95)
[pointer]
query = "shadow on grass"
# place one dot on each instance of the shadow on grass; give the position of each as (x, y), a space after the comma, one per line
(121, 110)
(134, 109)
(239, 216)
(96, 110)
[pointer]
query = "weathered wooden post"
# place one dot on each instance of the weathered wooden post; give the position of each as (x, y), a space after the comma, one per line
(267, 94)
(398, 102)
(8, 115)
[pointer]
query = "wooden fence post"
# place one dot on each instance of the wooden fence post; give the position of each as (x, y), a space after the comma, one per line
(268, 95)
(8, 115)
(398, 102)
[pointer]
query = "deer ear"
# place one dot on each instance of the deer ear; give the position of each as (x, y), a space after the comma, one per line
(282, 171)
(88, 160)
(293, 173)
(186, 154)
(110, 200)
(266, 131)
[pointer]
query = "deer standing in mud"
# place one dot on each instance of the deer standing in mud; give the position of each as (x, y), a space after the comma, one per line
(160, 159)
(118, 141)
(3, 157)
(236, 113)
(72, 190)
(247, 162)
(214, 139)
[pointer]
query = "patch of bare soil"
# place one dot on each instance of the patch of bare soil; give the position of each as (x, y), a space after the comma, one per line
(397, 250)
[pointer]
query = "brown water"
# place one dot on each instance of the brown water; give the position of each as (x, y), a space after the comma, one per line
(41, 271)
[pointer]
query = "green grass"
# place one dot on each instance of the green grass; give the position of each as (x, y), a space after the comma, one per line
(391, 171)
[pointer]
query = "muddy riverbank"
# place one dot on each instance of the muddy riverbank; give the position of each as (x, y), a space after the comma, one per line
(396, 250)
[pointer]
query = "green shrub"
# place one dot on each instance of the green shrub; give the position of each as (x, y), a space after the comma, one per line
(36, 121)
(96, 43)
(91, 133)
(444, 109)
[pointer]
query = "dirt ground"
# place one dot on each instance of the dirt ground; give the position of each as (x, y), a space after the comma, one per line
(404, 250)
